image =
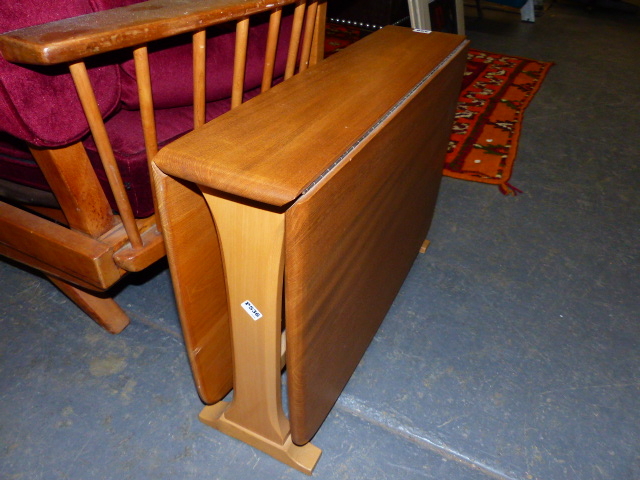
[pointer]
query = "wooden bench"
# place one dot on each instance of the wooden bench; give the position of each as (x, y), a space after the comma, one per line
(323, 187)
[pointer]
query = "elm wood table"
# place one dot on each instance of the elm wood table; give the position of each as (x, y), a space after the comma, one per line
(323, 187)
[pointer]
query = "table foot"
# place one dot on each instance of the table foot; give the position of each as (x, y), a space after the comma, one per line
(302, 458)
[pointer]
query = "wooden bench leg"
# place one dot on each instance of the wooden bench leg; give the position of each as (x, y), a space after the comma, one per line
(252, 244)
(104, 311)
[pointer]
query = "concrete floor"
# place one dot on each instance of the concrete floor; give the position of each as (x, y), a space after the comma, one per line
(512, 351)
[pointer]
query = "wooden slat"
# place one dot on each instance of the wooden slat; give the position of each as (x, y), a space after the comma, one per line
(272, 45)
(317, 49)
(317, 117)
(76, 38)
(72, 179)
(148, 118)
(99, 132)
(240, 61)
(143, 80)
(294, 42)
(307, 40)
(199, 78)
(73, 254)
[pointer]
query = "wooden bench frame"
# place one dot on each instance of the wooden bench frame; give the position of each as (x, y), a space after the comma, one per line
(82, 247)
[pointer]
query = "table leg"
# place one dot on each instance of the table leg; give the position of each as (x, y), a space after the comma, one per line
(252, 244)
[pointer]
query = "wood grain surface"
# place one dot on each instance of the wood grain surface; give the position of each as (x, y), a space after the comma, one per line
(299, 128)
(351, 241)
(198, 281)
(104, 31)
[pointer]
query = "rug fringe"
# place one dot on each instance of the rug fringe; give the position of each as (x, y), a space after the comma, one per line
(507, 189)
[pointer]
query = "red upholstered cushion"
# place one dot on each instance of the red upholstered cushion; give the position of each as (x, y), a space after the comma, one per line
(125, 131)
(171, 68)
(32, 98)
(40, 105)
(17, 164)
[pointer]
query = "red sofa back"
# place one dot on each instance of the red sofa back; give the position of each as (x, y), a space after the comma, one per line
(32, 98)
(40, 106)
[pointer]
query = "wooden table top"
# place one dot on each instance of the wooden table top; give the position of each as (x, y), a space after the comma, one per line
(273, 147)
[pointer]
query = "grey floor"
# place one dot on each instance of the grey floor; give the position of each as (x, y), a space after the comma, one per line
(512, 351)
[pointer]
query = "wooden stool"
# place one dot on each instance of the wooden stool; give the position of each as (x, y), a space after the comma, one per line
(323, 187)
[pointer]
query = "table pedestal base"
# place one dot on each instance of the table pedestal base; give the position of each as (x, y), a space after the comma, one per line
(302, 458)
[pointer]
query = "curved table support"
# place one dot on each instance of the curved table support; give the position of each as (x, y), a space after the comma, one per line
(254, 268)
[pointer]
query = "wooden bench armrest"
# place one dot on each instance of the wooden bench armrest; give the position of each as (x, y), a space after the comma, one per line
(83, 36)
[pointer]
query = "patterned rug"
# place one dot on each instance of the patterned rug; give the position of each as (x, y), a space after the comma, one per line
(337, 36)
(496, 89)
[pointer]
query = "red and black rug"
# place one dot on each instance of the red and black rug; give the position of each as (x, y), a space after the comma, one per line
(496, 89)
